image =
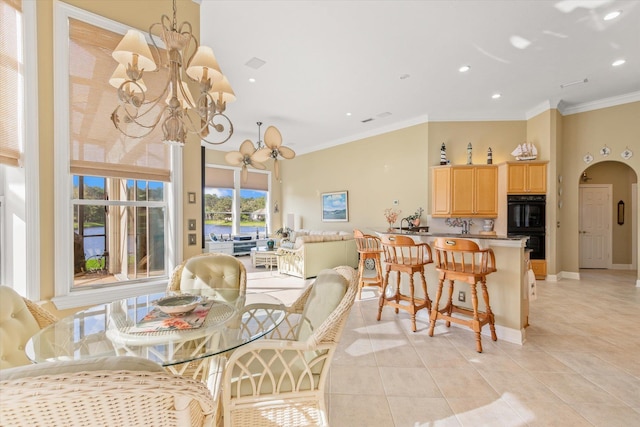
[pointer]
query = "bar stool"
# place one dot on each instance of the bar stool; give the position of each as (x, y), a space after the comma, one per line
(463, 260)
(369, 248)
(403, 255)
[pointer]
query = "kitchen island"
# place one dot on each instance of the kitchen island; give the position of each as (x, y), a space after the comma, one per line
(508, 286)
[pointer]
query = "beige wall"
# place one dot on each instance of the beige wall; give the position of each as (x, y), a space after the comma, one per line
(138, 14)
(375, 171)
(618, 127)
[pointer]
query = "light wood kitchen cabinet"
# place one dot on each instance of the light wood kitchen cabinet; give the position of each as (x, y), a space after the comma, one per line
(465, 191)
(526, 177)
(539, 267)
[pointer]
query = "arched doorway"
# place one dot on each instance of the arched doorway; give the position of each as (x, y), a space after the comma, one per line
(608, 240)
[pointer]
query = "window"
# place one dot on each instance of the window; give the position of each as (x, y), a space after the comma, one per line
(11, 75)
(19, 178)
(118, 230)
(114, 194)
(233, 207)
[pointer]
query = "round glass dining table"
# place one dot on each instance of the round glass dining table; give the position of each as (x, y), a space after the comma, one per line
(134, 326)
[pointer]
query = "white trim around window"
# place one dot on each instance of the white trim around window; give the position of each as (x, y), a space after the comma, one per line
(63, 210)
(31, 150)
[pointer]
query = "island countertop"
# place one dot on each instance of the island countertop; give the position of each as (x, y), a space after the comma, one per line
(410, 232)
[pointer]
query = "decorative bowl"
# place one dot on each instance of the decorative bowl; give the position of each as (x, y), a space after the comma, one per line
(179, 304)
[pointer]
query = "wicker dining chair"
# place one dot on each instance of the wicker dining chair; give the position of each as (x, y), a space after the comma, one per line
(20, 319)
(280, 380)
(209, 271)
(107, 391)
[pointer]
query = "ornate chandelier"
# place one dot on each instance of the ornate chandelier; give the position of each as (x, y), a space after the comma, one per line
(175, 109)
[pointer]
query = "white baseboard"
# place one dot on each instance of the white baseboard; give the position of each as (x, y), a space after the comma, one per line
(569, 275)
(622, 267)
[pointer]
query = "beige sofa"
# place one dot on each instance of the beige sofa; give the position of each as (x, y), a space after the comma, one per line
(312, 251)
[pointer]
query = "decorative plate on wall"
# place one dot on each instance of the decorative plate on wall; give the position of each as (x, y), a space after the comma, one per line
(588, 158)
(605, 151)
(626, 154)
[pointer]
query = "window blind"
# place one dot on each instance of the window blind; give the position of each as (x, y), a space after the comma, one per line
(96, 146)
(218, 178)
(256, 181)
(12, 78)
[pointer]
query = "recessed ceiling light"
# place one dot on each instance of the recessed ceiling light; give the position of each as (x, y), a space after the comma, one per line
(464, 68)
(496, 96)
(612, 15)
(348, 114)
(618, 62)
(252, 80)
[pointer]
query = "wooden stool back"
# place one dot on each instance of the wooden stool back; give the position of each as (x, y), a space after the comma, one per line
(369, 248)
(463, 259)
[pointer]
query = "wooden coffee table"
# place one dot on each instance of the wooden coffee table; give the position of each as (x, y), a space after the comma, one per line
(263, 257)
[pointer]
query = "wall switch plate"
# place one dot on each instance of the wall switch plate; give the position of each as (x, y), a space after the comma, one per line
(462, 297)
(192, 224)
(192, 239)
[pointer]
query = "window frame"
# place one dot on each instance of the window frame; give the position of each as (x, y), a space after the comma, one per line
(235, 207)
(65, 296)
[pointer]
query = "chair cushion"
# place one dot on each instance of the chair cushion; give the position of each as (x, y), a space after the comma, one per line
(203, 272)
(17, 325)
(328, 290)
(109, 363)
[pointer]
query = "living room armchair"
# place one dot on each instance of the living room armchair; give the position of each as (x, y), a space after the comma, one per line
(281, 380)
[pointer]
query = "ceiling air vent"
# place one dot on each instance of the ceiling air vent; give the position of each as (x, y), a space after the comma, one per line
(367, 120)
(255, 63)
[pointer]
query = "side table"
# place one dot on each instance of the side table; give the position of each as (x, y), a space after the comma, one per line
(263, 257)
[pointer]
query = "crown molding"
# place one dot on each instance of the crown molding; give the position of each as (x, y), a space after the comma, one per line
(602, 103)
(538, 109)
(373, 132)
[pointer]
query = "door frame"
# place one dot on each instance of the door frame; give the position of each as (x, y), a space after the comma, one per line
(609, 236)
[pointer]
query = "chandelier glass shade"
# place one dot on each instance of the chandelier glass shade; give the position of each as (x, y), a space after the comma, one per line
(175, 109)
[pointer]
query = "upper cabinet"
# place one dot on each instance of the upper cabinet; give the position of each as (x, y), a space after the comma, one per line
(526, 177)
(465, 191)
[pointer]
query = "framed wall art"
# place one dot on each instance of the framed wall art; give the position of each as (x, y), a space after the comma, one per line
(335, 206)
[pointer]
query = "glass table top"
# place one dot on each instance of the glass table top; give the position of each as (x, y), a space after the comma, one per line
(230, 320)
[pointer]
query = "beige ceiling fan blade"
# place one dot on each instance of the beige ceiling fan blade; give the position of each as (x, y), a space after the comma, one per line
(234, 158)
(272, 137)
(247, 147)
(262, 155)
(276, 168)
(245, 173)
(287, 152)
(260, 166)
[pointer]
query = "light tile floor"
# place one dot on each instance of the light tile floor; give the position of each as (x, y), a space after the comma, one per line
(580, 365)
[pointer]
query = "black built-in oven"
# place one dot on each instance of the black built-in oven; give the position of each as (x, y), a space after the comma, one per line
(526, 217)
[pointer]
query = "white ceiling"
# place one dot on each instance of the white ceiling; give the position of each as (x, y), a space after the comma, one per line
(324, 59)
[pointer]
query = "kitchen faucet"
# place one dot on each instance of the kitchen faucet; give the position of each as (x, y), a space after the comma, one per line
(408, 224)
(459, 222)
